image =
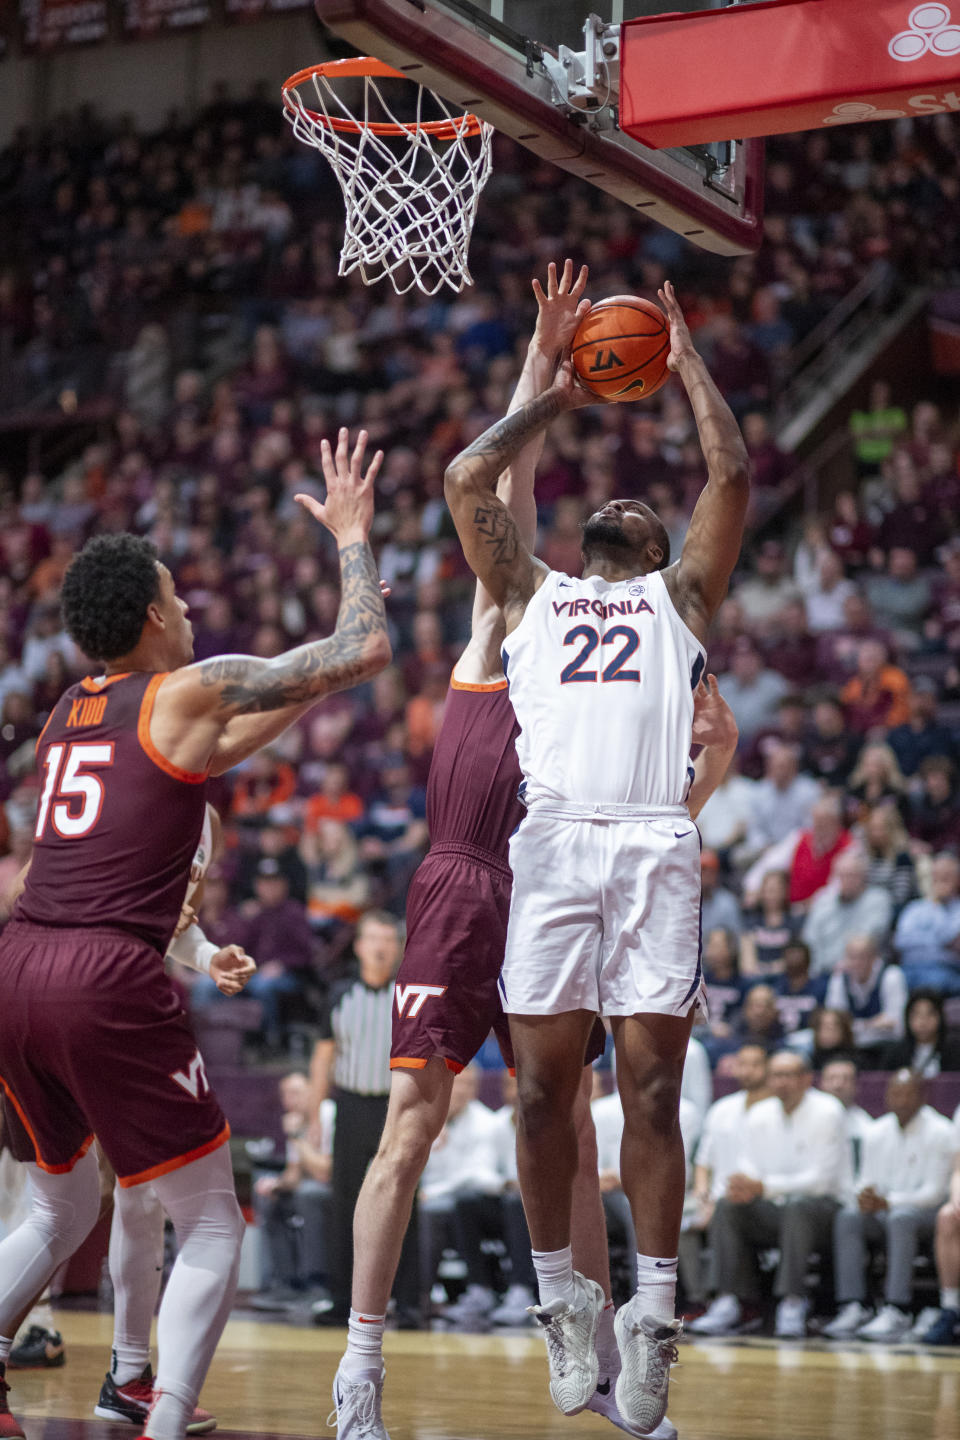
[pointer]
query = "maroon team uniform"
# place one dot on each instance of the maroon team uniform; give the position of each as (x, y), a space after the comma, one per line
(93, 1039)
(446, 995)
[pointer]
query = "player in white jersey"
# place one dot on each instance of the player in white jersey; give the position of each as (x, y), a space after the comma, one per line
(605, 911)
(136, 1233)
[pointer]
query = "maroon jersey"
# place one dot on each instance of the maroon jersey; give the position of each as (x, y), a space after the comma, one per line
(474, 781)
(117, 824)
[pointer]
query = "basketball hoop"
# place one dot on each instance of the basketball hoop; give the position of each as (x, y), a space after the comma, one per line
(410, 187)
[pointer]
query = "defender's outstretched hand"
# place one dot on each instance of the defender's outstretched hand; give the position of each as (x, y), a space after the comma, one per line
(681, 345)
(713, 722)
(561, 309)
(347, 511)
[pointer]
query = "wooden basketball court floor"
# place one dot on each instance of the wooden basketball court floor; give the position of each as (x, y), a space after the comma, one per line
(274, 1380)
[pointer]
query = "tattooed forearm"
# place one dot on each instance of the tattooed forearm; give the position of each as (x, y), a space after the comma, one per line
(497, 527)
(357, 649)
(491, 452)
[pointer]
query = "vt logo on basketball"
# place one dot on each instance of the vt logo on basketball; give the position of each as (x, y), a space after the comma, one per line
(599, 363)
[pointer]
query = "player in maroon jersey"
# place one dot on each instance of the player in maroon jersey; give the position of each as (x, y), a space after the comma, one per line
(446, 989)
(92, 1036)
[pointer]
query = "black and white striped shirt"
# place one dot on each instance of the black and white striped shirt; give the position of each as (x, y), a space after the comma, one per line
(358, 1020)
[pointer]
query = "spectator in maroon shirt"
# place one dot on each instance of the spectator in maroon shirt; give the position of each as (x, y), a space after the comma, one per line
(770, 465)
(278, 936)
(790, 728)
(912, 524)
(793, 650)
(934, 820)
(739, 368)
(849, 533)
(831, 751)
(837, 650)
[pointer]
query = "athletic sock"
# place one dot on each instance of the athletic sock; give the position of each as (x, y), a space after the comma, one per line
(656, 1286)
(127, 1362)
(364, 1355)
(555, 1275)
(949, 1300)
(6, 1345)
(169, 1414)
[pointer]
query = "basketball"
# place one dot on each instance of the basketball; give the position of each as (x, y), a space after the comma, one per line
(620, 349)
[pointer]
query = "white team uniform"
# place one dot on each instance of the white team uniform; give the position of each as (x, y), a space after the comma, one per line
(605, 912)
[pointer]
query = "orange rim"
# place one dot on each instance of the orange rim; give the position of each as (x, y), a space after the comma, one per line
(365, 65)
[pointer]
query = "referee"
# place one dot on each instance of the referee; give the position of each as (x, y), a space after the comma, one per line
(351, 1062)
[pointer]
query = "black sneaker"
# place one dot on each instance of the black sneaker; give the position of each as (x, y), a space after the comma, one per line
(131, 1403)
(39, 1349)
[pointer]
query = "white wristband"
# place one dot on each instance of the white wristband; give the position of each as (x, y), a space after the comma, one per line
(193, 949)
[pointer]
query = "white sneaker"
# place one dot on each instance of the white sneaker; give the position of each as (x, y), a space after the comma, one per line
(571, 1333)
(927, 1317)
(847, 1321)
(889, 1326)
(791, 1320)
(475, 1303)
(721, 1318)
(648, 1347)
(356, 1408)
(515, 1307)
(603, 1402)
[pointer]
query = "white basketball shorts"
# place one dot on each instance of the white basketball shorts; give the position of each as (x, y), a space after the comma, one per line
(605, 912)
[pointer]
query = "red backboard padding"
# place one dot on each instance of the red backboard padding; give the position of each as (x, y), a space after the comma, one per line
(787, 65)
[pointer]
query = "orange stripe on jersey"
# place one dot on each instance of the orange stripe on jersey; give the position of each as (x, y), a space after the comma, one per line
(493, 685)
(189, 777)
(68, 1165)
(36, 748)
(96, 683)
(177, 1163)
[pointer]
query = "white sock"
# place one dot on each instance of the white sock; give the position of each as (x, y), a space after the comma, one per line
(127, 1362)
(136, 1269)
(169, 1413)
(656, 1286)
(364, 1355)
(608, 1351)
(949, 1300)
(555, 1275)
(6, 1345)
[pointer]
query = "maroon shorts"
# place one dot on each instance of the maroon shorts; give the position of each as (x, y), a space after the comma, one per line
(447, 998)
(93, 1041)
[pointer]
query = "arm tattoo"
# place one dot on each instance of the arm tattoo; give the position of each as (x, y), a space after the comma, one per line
(250, 686)
(498, 445)
(496, 525)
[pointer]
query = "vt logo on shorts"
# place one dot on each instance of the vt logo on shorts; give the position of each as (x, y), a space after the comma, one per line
(194, 1080)
(417, 994)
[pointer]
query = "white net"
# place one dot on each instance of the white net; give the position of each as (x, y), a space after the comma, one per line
(410, 186)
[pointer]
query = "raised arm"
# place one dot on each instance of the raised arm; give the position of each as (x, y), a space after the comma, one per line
(489, 534)
(195, 705)
(698, 582)
(559, 310)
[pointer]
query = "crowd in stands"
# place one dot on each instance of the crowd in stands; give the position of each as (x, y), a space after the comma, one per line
(837, 647)
(794, 1193)
(131, 265)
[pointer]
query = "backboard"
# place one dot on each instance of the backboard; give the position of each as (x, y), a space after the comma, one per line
(505, 61)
